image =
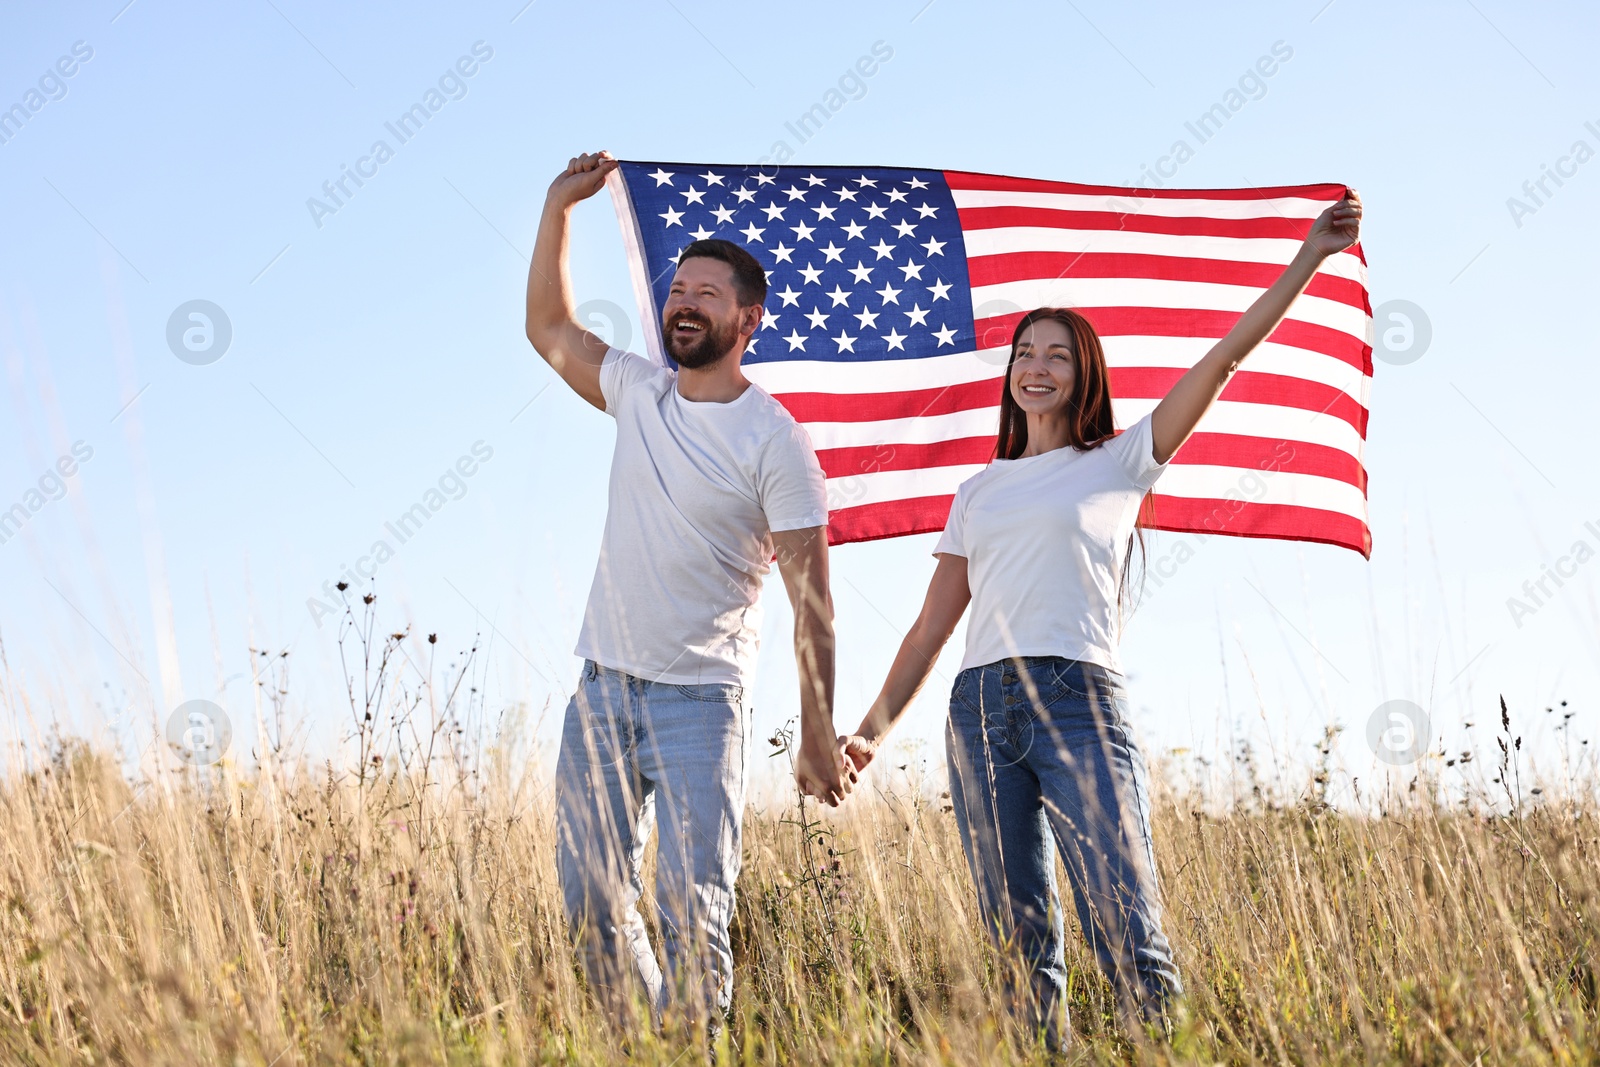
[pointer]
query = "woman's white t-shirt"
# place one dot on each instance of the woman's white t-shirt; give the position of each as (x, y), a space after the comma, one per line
(1044, 538)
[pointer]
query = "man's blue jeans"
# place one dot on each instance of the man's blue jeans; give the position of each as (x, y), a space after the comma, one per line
(1041, 759)
(636, 754)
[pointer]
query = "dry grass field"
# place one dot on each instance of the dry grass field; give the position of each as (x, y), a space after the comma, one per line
(404, 909)
(302, 915)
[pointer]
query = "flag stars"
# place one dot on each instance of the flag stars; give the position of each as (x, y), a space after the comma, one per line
(912, 270)
(840, 296)
(832, 253)
(845, 342)
(895, 340)
(674, 218)
(883, 248)
(723, 215)
(812, 179)
(866, 182)
(896, 195)
(854, 230)
(692, 196)
(803, 232)
(916, 183)
(824, 211)
(765, 179)
(789, 296)
(876, 211)
(745, 194)
(934, 247)
(795, 340)
(702, 234)
(867, 318)
(890, 294)
(927, 212)
(662, 177)
(769, 320)
(905, 229)
(774, 212)
(946, 336)
(711, 179)
(811, 274)
(796, 194)
(752, 233)
(846, 193)
(783, 253)
(940, 289)
(862, 272)
(917, 316)
(818, 317)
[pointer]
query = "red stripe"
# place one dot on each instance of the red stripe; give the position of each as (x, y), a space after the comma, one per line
(869, 522)
(1266, 455)
(893, 518)
(1210, 449)
(1289, 522)
(895, 456)
(877, 407)
(1246, 387)
(988, 218)
(1195, 322)
(1029, 266)
(966, 179)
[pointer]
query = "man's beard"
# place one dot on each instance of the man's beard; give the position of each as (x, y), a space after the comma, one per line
(714, 341)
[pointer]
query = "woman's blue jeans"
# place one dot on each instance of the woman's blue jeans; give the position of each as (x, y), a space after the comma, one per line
(1042, 759)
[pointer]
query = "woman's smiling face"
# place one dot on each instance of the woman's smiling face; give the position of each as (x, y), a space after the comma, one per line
(1042, 374)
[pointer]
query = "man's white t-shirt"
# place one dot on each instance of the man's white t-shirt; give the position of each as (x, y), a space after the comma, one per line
(697, 489)
(1044, 538)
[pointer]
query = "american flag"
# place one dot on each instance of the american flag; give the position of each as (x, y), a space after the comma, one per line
(893, 293)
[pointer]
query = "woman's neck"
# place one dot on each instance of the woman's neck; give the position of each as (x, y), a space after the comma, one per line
(1046, 433)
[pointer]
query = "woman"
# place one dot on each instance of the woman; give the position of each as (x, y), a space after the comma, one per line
(1040, 754)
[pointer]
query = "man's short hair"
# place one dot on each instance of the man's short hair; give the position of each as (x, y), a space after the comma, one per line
(749, 279)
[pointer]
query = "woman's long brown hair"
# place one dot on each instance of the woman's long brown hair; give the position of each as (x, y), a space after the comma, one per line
(1089, 422)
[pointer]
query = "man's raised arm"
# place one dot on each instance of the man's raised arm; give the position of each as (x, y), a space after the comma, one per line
(574, 353)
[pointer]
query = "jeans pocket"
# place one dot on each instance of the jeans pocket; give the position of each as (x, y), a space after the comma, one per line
(713, 693)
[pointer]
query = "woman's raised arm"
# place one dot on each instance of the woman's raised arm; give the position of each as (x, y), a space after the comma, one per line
(1175, 418)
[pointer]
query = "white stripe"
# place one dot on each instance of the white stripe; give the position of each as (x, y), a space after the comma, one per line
(1093, 293)
(878, 487)
(877, 376)
(923, 430)
(1293, 207)
(1268, 357)
(1271, 421)
(1206, 482)
(1004, 240)
(1133, 352)
(1191, 481)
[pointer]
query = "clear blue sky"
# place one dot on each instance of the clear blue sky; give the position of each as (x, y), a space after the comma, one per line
(370, 352)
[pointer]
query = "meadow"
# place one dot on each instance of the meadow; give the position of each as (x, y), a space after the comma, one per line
(403, 908)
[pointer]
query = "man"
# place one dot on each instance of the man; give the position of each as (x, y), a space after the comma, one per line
(710, 477)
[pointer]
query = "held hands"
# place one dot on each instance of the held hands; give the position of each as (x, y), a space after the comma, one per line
(824, 773)
(583, 178)
(847, 761)
(1337, 228)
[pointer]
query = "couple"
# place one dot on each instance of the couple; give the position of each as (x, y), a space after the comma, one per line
(710, 480)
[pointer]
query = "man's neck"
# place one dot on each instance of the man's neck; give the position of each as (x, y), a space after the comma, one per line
(720, 383)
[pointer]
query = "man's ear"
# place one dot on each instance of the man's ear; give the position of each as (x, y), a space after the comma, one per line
(752, 318)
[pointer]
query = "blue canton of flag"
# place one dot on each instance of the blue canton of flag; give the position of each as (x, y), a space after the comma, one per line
(861, 265)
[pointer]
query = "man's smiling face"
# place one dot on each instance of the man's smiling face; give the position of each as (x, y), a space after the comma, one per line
(701, 319)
